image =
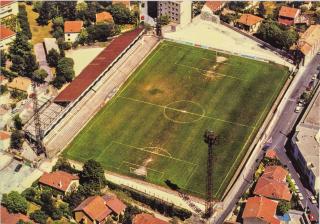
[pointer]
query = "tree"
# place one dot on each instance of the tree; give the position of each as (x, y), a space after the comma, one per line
(83, 37)
(283, 207)
(44, 13)
(16, 139)
(39, 216)
(238, 6)
(17, 122)
(81, 7)
(3, 57)
(103, 31)
(92, 173)
(23, 21)
(64, 165)
(129, 213)
(53, 57)
(121, 14)
(164, 20)
(15, 203)
(39, 75)
(57, 22)
(65, 68)
(261, 9)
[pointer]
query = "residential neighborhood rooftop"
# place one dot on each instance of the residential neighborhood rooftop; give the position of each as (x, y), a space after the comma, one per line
(59, 180)
(277, 173)
(5, 3)
(288, 12)
(12, 218)
(144, 218)
(214, 5)
(73, 26)
(309, 38)
(4, 135)
(103, 16)
(262, 209)
(249, 19)
(5, 32)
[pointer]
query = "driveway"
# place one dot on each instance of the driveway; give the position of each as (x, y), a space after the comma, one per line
(42, 60)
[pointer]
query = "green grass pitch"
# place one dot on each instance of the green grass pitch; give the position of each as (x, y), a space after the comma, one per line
(153, 128)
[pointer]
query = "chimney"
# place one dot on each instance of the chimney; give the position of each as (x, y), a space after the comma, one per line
(60, 184)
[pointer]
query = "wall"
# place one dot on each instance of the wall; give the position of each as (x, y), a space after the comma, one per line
(11, 9)
(71, 37)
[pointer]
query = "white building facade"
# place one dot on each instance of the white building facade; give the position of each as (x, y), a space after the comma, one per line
(8, 8)
(179, 12)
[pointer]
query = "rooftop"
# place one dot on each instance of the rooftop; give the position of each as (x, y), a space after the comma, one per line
(4, 135)
(59, 180)
(214, 5)
(308, 39)
(271, 153)
(12, 218)
(307, 132)
(288, 12)
(144, 218)
(261, 208)
(98, 208)
(271, 188)
(276, 173)
(90, 73)
(249, 19)
(73, 26)
(20, 83)
(5, 33)
(4, 3)
(103, 17)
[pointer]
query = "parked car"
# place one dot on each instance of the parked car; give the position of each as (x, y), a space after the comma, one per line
(314, 76)
(18, 167)
(300, 196)
(298, 108)
(313, 200)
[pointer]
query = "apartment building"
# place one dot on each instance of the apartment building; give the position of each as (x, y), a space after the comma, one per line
(178, 11)
(8, 8)
(306, 143)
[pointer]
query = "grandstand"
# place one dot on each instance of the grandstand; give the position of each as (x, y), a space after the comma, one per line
(51, 113)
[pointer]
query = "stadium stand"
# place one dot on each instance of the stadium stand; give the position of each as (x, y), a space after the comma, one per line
(104, 60)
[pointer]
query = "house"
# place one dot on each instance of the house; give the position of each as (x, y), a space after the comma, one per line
(8, 8)
(72, 30)
(49, 44)
(97, 209)
(103, 17)
(4, 140)
(12, 218)
(271, 154)
(272, 189)
(125, 3)
(7, 36)
(309, 43)
(213, 6)
(22, 84)
(260, 210)
(288, 16)
(306, 144)
(178, 11)
(277, 173)
(249, 22)
(144, 218)
(61, 181)
(5, 116)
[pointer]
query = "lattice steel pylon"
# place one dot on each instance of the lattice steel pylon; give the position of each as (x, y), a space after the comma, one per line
(209, 138)
(39, 147)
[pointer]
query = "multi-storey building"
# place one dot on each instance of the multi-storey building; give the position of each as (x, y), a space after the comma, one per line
(306, 143)
(178, 11)
(8, 8)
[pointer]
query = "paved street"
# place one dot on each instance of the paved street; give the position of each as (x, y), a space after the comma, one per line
(284, 125)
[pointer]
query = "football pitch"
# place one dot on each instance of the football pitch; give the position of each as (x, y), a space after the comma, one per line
(153, 128)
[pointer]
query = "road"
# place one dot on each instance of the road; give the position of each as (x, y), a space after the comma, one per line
(285, 123)
(284, 126)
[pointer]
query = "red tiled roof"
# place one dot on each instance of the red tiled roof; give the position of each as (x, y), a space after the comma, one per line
(12, 218)
(272, 189)
(90, 73)
(214, 5)
(59, 180)
(103, 17)
(73, 26)
(286, 22)
(276, 173)
(288, 12)
(126, 3)
(261, 208)
(5, 33)
(249, 19)
(98, 208)
(114, 204)
(4, 135)
(5, 2)
(144, 218)
(271, 153)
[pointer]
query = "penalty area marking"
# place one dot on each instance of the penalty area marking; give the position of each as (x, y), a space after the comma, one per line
(215, 73)
(136, 166)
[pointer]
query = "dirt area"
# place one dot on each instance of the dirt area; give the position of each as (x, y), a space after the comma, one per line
(82, 57)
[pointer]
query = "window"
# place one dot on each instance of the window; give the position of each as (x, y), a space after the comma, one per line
(68, 34)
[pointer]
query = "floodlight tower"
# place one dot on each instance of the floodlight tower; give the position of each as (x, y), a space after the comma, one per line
(209, 138)
(39, 147)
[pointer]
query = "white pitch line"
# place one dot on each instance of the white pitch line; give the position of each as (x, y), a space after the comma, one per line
(187, 112)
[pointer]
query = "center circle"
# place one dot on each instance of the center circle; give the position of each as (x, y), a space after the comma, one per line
(183, 111)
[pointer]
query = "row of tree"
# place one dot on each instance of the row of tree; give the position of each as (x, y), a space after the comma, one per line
(23, 21)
